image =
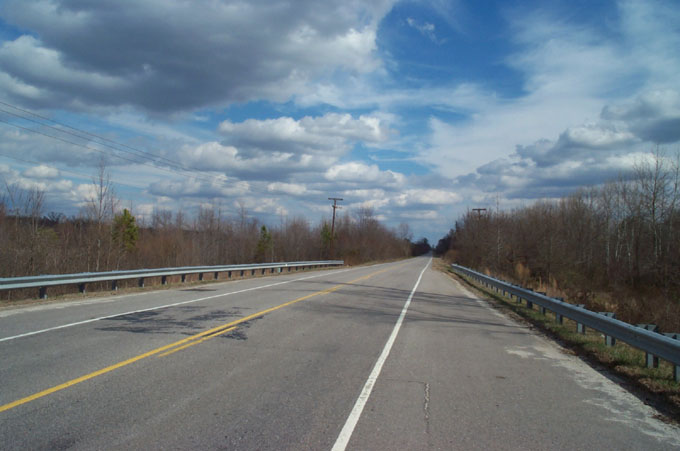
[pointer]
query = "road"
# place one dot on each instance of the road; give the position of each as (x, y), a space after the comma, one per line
(384, 357)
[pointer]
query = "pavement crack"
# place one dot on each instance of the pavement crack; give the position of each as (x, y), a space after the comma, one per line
(426, 408)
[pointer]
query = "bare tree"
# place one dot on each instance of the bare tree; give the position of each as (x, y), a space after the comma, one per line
(100, 208)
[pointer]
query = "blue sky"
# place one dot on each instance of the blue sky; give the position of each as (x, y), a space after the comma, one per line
(419, 110)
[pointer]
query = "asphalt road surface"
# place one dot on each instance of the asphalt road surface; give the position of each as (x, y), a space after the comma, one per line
(385, 357)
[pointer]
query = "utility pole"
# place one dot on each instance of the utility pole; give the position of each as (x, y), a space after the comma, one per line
(479, 211)
(335, 207)
(498, 232)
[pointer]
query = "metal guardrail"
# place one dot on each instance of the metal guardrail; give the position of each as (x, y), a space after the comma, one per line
(652, 343)
(42, 282)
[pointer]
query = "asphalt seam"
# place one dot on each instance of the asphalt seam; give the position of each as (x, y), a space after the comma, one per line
(348, 429)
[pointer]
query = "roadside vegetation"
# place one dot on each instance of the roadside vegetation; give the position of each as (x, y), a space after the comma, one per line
(106, 237)
(613, 248)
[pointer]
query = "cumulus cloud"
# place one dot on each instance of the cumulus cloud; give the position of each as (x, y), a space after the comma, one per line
(293, 189)
(88, 54)
(276, 165)
(359, 172)
(41, 172)
(192, 187)
(427, 197)
(592, 106)
(588, 154)
(653, 116)
(330, 134)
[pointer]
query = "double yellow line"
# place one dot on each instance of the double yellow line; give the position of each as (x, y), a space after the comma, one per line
(180, 345)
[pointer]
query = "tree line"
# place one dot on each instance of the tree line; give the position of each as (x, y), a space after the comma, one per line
(615, 247)
(105, 237)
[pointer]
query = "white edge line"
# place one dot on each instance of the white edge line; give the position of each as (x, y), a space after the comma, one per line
(355, 414)
(63, 326)
(481, 302)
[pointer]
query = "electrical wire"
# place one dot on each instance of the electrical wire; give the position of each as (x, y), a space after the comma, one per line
(143, 153)
(175, 168)
(67, 171)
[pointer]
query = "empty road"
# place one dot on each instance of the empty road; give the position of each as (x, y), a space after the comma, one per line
(384, 357)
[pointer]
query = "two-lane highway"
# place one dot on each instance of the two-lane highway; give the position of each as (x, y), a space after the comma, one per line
(392, 356)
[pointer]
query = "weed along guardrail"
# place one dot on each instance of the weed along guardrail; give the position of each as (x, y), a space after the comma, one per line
(643, 336)
(82, 279)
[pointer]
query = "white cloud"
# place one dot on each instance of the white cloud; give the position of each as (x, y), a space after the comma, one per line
(213, 156)
(425, 28)
(90, 54)
(427, 197)
(293, 189)
(220, 186)
(331, 133)
(590, 101)
(41, 172)
(356, 171)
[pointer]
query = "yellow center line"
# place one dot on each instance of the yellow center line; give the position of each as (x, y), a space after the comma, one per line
(207, 337)
(181, 344)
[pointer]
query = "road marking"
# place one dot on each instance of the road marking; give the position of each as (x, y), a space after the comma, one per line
(355, 414)
(207, 337)
(205, 334)
(63, 326)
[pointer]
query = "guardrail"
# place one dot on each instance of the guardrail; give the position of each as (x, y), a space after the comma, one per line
(42, 282)
(653, 343)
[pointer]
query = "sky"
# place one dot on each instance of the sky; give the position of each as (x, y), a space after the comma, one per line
(419, 110)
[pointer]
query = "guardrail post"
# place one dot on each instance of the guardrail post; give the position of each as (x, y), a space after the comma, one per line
(184, 278)
(580, 328)
(114, 285)
(228, 274)
(81, 287)
(264, 270)
(164, 280)
(200, 276)
(530, 305)
(676, 368)
(609, 340)
(141, 282)
(216, 275)
(559, 319)
(252, 272)
(542, 309)
(42, 293)
(651, 360)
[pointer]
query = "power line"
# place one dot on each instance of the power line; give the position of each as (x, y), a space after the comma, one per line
(94, 149)
(145, 154)
(67, 171)
(175, 166)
